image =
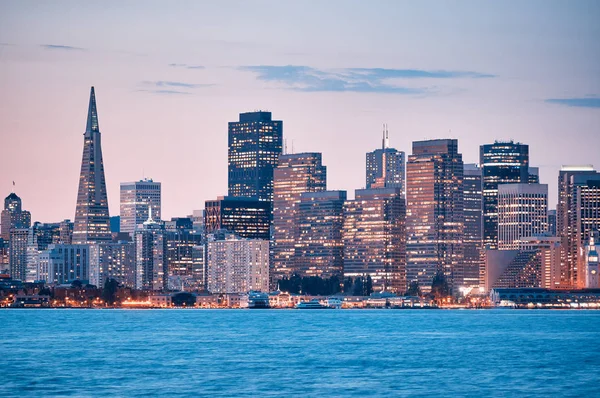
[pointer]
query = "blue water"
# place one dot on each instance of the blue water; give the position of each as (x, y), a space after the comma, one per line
(230, 353)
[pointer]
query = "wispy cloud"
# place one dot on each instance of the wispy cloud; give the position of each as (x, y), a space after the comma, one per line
(170, 87)
(166, 92)
(61, 47)
(585, 102)
(163, 83)
(361, 80)
(186, 66)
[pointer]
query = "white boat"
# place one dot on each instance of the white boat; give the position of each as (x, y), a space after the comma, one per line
(334, 302)
(313, 304)
(258, 300)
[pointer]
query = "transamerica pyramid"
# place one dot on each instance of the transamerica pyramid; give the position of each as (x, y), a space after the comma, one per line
(92, 222)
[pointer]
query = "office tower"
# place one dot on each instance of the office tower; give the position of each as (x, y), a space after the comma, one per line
(473, 230)
(591, 264)
(114, 260)
(185, 268)
(237, 265)
(40, 236)
(136, 196)
(17, 253)
(115, 224)
(180, 224)
(66, 232)
(577, 217)
(533, 175)
(4, 260)
(319, 247)
(295, 174)
(502, 163)
(151, 266)
(91, 214)
(435, 212)
(13, 216)
(198, 221)
(60, 264)
(255, 143)
(522, 212)
(246, 217)
(512, 269)
(550, 250)
(385, 166)
(374, 237)
(552, 222)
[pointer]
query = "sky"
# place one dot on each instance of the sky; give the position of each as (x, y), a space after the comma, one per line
(170, 75)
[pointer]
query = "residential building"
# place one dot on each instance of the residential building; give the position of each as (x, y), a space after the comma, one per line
(60, 264)
(114, 260)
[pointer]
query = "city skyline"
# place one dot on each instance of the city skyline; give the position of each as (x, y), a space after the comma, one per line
(420, 91)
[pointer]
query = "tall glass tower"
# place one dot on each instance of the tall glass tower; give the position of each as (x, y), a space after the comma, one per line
(92, 222)
(386, 166)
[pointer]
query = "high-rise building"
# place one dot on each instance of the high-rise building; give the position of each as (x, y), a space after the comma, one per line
(386, 166)
(60, 264)
(435, 212)
(552, 222)
(17, 250)
(577, 217)
(246, 217)
(374, 237)
(40, 236)
(151, 265)
(295, 174)
(534, 175)
(136, 196)
(91, 214)
(473, 230)
(237, 265)
(502, 163)
(114, 260)
(550, 250)
(522, 212)
(319, 247)
(255, 143)
(66, 232)
(13, 216)
(184, 262)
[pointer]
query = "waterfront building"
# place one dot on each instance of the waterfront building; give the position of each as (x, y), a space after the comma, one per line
(385, 167)
(136, 197)
(13, 216)
(237, 265)
(522, 212)
(60, 264)
(374, 237)
(114, 260)
(319, 247)
(502, 163)
(91, 214)
(435, 212)
(151, 266)
(255, 143)
(246, 217)
(592, 264)
(473, 230)
(577, 217)
(295, 174)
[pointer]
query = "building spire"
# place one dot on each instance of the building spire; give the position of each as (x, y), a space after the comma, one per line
(92, 118)
(385, 142)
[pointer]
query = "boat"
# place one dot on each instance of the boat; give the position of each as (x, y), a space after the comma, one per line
(313, 304)
(334, 302)
(258, 300)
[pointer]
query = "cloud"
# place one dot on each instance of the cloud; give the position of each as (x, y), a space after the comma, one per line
(361, 80)
(162, 83)
(186, 66)
(585, 102)
(166, 92)
(61, 47)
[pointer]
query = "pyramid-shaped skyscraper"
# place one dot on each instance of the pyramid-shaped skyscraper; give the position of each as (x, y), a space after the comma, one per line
(92, 222)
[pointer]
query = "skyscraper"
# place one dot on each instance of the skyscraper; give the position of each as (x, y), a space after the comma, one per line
(246, 217)
(136, 196)
(13, 216)
(151, 267)
(502, 163)
(319, 245)
(91, 214)
(435, 212)
(522, 212)
(473, 232)
(17, 250)
(374, 237)
(386, 166)
(255, 143)
(295, 174)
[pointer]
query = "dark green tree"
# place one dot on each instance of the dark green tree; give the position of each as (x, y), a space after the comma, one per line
(369, 286)
(358, 287)
(77, 284)
(439, 286)
(413, 289)
(109, 293)
(348, 285)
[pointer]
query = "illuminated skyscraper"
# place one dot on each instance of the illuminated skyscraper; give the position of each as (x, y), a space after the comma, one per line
(185, 263)
(136, 196)
(40, 236)
(522, 212)
(17, 250)
(319, 245)
(435, 212)
(246, 217)
(473, 236)
(151, 256)
(255, 143)
(13, 216)
(578, 216)
(386, 166)
(502, 163)
(295, 174)
(374, 237)
(91, 214)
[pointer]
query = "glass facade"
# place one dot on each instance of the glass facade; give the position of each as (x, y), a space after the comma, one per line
(136, 200)
(246, 217)
(385, 167)
(473, 230)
